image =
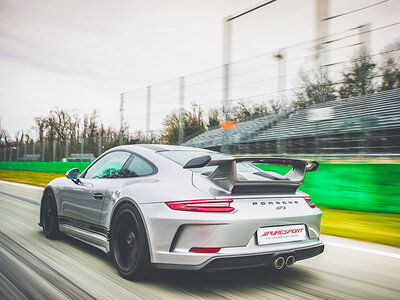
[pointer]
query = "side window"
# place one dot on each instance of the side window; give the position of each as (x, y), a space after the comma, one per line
(108, 166)
(139, 167)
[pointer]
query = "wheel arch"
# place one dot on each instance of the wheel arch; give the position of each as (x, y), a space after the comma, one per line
(136, 206)
(48, 189)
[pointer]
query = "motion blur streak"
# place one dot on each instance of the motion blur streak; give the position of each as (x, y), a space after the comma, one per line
(22, 185)
(366, 250)
(32, 266)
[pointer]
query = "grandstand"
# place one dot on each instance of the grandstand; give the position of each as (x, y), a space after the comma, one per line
(364, 124)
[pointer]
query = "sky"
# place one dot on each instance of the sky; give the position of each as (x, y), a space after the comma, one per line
(82, 54)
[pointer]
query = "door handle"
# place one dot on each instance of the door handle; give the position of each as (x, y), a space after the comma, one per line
(98, 196)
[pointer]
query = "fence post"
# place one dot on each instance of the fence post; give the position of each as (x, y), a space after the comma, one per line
(148, 112)
(10, 158)
(181, 108)
(17, 153)
(54, 150)
(66, 149)
(43, 151)
(99, 146)
(33, 148)
(121, 114)
(5, 153)
(82, 147)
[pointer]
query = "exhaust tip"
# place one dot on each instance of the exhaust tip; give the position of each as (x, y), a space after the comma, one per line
(278, 263)
(290, 260)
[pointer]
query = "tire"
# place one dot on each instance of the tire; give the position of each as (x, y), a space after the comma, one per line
(129, 246)
(50, 217)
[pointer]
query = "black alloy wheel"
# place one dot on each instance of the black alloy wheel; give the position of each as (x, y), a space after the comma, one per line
(50, 217)
(129, 247)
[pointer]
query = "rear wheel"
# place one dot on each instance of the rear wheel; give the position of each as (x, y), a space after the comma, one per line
(129, 247)
(50, 217)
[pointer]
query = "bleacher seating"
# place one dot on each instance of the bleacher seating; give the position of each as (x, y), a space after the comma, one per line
(354, 123)
(242, 132)
(88, 157)
(30, 157)
(369, 112)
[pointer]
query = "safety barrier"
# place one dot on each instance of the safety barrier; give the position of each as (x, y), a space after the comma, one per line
(371, 187)
(53, 167)
(345, 185)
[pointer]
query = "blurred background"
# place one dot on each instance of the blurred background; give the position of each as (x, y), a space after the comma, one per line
(308, 79)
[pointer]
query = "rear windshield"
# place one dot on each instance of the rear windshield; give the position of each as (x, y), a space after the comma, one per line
(183, 156)
(245, 170)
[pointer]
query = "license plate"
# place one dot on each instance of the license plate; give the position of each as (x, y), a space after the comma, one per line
(281, 234)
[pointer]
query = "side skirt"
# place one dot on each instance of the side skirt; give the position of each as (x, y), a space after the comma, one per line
(97, 240)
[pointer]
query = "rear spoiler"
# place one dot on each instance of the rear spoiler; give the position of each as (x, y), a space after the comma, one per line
(225, 175)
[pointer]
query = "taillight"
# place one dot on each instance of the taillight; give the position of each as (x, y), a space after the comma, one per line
(308, 200)
(204, 250)
(205, 205)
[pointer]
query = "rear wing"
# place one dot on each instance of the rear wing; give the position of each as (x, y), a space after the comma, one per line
(225, 175)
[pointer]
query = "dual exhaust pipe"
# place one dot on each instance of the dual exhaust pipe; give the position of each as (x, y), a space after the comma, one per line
(279, 262)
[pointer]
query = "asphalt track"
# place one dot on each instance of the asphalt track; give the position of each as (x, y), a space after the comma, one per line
(33, 267)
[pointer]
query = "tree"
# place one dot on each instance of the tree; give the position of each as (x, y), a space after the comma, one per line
(214, 118)
(278, 106)
(245, 110)
(390, 68)
(40, 123)
(193, 120)
(4, 135)
(358, 80)
(170, 131)
(314, 89)
(91, 125)
(19, 137)
(193, 125)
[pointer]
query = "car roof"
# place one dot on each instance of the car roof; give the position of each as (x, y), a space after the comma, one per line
(159, 147)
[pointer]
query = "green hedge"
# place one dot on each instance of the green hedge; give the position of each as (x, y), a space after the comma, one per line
(53, 167)
(356, 186)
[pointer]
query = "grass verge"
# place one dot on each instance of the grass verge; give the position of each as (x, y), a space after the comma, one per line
(382, 228)
(29, 177)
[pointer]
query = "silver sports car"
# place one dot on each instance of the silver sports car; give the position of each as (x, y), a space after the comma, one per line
(173, 207)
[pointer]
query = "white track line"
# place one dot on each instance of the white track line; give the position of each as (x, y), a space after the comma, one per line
(23, 185)
(361, 249)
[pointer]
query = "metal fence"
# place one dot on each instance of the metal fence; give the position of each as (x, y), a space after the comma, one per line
(68, 150)
(270, 78)
(367, 124)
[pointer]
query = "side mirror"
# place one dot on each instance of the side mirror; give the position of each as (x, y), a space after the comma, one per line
(73, 174)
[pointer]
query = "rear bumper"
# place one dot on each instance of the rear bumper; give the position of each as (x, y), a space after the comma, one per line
(246, 261)
(173, 233)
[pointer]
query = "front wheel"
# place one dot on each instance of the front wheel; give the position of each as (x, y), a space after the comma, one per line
(129, 247)
(50, 217)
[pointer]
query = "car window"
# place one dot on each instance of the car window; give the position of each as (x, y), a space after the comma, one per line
(139, 167)
(183, 156)
(108, 166)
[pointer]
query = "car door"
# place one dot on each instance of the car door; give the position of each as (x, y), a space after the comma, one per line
(82, 202)
(135, 171)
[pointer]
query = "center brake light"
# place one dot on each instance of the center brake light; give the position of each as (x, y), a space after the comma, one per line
(308, 200)
(203, 205)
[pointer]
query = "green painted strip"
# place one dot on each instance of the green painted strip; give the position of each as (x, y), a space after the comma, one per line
(355, 186)
(53, 167)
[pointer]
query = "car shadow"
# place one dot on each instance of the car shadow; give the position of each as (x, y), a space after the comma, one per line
(203, 283)
(229, 279)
